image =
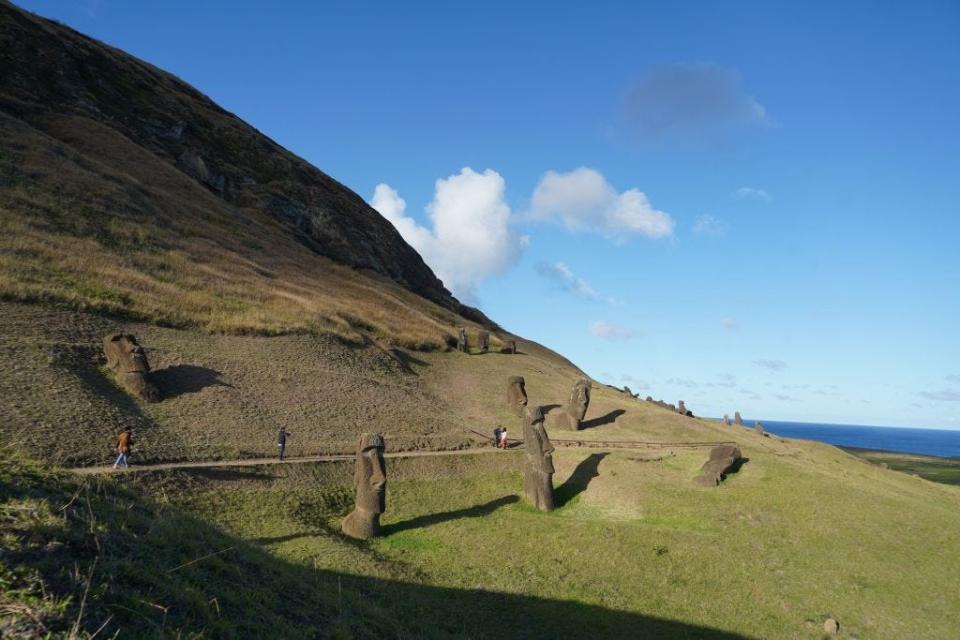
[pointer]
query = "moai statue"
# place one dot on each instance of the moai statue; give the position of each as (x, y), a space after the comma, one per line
(649, 398)
(627, 391)
(726, 420)
(484, 341)
(681, 408)
(516, 394)
(715, 469)
(509, 346)
(462, 340)
(371, 480)
(758, 428)
(737, 420)
(127, 360)
(538, 469)
(576, 409)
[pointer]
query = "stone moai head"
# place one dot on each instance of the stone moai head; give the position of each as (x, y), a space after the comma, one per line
(736, 418)
(758, 428)
(538, 467)
(722, 458)
(516, 394)
(462, 339)
(579, 400)
(726, 420)
(681, 408)
(128, 361)
(649, 398)
(484, 336)
(124, 354)
(370, 477)
(509, 346)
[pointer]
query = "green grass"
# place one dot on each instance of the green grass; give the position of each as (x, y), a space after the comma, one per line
(936, 469)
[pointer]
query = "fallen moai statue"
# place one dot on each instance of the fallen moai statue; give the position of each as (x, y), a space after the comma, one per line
(577, 405)
(538, 461)
(722, 458)
(128, 361)
(484, 339)
(516, 394)
(370, 477)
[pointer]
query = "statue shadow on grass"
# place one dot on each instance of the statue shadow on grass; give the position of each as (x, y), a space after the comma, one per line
(179, 379)
(477, 511)
(609, 418)
(577, 483)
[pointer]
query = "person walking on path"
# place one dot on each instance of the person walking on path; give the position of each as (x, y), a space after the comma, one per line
(503, 438)
(282, 442)
(124, 442)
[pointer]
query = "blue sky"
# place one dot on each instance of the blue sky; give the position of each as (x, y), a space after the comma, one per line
(747, 205)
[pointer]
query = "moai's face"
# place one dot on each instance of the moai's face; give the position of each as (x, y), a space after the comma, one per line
(518, 394)
(371, 474)
(131, 356)
(580, 399)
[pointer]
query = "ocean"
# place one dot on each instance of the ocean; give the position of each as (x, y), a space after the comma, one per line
(931, 442)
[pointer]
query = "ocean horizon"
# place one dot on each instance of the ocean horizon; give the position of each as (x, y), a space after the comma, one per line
(944, 443)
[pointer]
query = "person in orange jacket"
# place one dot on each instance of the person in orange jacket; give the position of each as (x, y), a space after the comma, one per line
(124, 442)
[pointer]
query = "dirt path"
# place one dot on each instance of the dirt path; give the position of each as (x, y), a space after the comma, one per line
(251, 462)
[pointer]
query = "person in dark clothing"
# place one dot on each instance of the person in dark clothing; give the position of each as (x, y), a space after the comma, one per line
(496, 436)
(282, 441)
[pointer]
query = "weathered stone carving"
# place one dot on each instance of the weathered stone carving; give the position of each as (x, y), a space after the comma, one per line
(726, 420)
(484, 336)
(576, 408)
(516, 394)
(737, 419)
(758, 428)
(627, 391)
(682, 409)
(722, 458)
(649, 398)
(370, 477)
(462, 339)
(509, 346)
(538, 470)
(128, 361)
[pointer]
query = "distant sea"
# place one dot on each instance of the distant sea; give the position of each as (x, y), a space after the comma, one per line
(931, 442)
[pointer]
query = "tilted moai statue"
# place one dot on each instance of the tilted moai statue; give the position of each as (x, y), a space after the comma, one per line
(516, 394)
(462, 340)
(484, 336)
(737, 419)
(722, 458)
(576, 409)
(371, 480)
(538, 467)
(128, 361)
(726, 420)
(627, 391)
(509, 346)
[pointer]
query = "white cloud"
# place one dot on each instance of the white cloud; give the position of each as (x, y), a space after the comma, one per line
(772, 365)
(946, 395)
(582, 199)
(953, 378)
(683, 382)
(695, 103)
(566, 280)
(611, 331)
(635, 384)
(730, 324)
(470, 239)
(709, 225)
(751, 193)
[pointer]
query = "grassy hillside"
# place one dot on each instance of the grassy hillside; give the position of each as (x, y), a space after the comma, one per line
(800, 532)
(946, 470)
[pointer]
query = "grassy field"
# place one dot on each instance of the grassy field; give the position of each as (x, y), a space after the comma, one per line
(784, 542)
(945, 470)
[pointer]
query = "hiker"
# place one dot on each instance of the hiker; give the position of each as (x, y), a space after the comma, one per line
(124, 441)
(503, 438)
(496, 436)
(282, 441)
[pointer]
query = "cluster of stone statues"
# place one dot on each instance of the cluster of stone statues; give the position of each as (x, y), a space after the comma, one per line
(680, 407)
(483, 342)
(737, 420)
(128, 362)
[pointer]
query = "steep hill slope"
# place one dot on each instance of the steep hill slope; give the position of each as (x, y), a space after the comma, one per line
(125, 190)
